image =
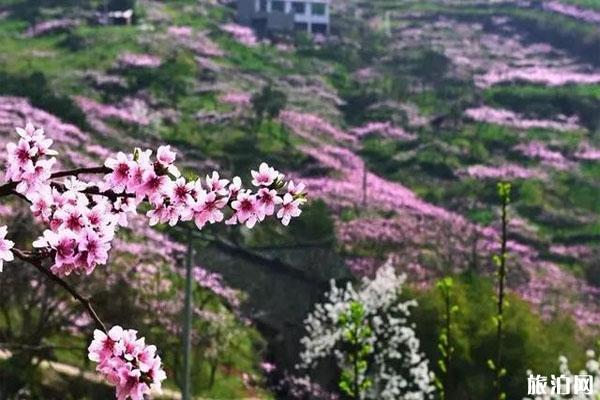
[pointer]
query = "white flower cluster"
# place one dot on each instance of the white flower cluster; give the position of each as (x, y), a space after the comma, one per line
(592, 368)
(396, 368)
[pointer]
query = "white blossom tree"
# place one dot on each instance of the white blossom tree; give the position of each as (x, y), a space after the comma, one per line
(388, 364)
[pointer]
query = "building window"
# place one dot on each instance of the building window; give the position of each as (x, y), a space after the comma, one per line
(262, 5)
(319, 28)
(298, 7)
(301, 26)
(318, 9)
(278, 5)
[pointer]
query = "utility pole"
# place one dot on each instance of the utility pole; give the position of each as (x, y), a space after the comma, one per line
(364, 185)
(187, 322)
(387, 26)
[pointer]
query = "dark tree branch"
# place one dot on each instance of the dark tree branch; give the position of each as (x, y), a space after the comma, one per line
(19, 195)
(81, 171)
(94, 190)
(35, 260)
(8, 189)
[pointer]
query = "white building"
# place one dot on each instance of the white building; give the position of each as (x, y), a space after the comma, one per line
(311, 16)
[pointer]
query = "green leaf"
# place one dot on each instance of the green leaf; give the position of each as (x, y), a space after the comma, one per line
(497, 260)
(442, 366)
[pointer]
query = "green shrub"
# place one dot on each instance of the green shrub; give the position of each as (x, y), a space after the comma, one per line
(529, 342)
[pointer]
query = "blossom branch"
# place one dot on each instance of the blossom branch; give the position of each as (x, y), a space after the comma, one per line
(82, 218)
(35, 260)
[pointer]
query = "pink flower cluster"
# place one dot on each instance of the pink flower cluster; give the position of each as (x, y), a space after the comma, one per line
(105, 111)
(588, 153)
(80, 230)
(237, 99)
(5, 246)
(363, 266)
(267, 367)
(508, 118)
(509, 171)
(139, 60)
(538, 74)
(198, 42)
(580, 251)
(127, 362)
(180, 31)
(27, 163)
(572, 11)
(385, 129)
(242, 34)
(540, 151)
(364, 75)
(50, 26)
(173, 198)
(309, 126)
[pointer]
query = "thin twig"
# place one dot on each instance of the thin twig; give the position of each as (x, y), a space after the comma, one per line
(35, 260)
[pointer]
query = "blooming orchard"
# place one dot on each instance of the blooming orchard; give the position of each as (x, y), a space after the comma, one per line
(81, 219)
